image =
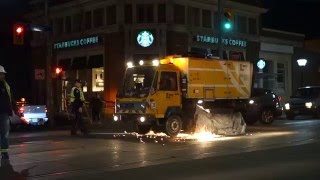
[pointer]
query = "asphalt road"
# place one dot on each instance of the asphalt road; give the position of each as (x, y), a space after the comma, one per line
(283, 150)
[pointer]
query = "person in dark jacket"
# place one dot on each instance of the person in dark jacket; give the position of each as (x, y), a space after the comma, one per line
(5, 112)
(77, 100)
(96, 106)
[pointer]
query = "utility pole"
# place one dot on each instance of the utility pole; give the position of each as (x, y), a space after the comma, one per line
(220, 30)
(48, 67)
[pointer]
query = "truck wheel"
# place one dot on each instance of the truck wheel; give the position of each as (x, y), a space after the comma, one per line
(290, 116)
(173, 126)
(143, 129)
(267, 116)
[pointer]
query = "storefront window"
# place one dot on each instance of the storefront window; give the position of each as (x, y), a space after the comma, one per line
(58, 29)
(216, 20)
(97, 79)
(67, 24)
(140, 13)
(252, 26)
(65, 64)
(179, 14)
(162, 13)
(149, 10)
(87, 20)
(79, 63)
(76, 22)
(98, 16)
(194, 16)
(269, 76)
(128, 13)
(145, 13)
(241, 24)
(111, 15)
(206, 18)
(281, 75)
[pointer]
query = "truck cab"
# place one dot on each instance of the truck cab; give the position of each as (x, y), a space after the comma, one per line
(148, 95)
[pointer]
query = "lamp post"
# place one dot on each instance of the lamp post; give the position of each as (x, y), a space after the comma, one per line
(220, 51)
(302, 63)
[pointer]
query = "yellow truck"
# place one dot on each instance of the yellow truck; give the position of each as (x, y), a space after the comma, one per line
(163, 94)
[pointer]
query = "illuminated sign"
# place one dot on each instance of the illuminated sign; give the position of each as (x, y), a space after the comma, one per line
(215, 40)
(261, 64)
(145, 38)
(76, 43)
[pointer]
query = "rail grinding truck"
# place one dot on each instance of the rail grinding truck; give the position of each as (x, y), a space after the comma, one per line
(163, 94)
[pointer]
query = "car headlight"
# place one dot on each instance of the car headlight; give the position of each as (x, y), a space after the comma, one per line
(287, 106)
(200, 101)
(251, 101)
(308, 105)
(142, 119)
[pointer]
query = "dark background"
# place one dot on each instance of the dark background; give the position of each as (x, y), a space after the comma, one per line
(300, 16)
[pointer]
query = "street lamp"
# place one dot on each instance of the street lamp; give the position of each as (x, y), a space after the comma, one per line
(302, 63)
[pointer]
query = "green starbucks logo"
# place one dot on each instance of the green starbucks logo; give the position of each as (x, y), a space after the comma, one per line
(145, 38)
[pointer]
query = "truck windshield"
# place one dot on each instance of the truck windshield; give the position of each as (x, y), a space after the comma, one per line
(307, 93)
(137, 82)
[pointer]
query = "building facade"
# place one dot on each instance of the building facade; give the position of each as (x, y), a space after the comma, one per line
(278, 49)
(93, 40)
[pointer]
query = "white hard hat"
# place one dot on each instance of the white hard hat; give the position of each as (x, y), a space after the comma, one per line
(2, 69)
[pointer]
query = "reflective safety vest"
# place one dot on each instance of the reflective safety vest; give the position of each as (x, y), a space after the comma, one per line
(3, 150)
(8, 90)
(73, 98)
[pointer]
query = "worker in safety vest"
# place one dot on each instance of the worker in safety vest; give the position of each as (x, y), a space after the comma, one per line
(77, 100)
(5, 112)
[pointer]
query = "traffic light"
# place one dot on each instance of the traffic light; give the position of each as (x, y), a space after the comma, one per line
(228, 20)
(18, 34)
(58, 71)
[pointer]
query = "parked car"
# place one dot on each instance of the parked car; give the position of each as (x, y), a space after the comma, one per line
(264, 105)
(25, 114)
(305, 101)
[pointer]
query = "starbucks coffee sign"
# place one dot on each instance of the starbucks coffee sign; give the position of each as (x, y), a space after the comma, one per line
(77, 42)
(145, 38)
(225, 41)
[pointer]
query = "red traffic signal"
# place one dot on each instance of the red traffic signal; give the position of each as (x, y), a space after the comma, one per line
(58, 70)
(19, 29)
(18, 34)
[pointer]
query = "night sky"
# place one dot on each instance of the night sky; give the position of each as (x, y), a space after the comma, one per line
(300, 16)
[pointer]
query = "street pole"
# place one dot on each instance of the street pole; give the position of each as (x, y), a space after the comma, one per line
(301, 77)
(220, 30)
(48, 68)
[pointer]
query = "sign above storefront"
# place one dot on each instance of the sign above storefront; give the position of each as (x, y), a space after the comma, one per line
(77, 42)
(261, 64)
(225, 41)
(145, 38)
